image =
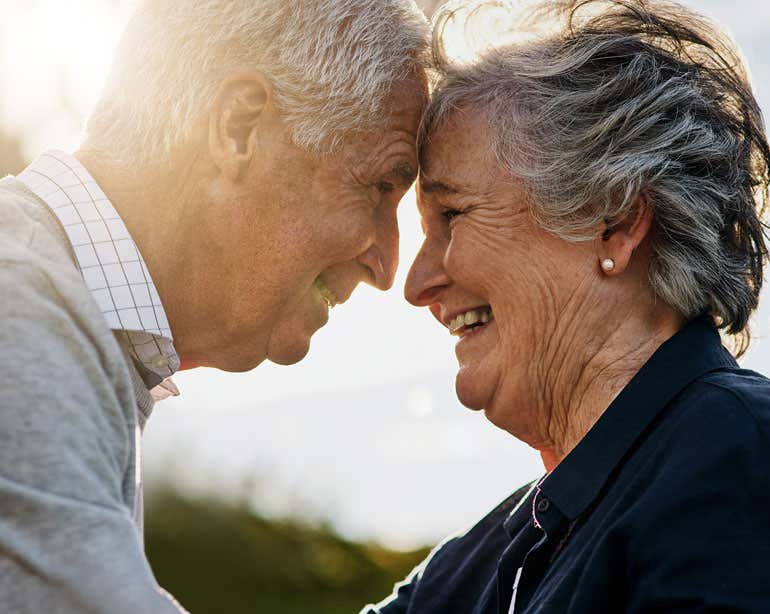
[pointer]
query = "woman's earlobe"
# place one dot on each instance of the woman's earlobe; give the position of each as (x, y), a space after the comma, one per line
(620, 241)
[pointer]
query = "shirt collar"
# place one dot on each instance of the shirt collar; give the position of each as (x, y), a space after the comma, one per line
(110, 263)
(695, 350)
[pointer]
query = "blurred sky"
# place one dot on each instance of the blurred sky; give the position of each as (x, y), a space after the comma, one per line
(366, 432)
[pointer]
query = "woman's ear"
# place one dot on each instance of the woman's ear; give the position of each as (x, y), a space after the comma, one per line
(235, 119)
(617, 244)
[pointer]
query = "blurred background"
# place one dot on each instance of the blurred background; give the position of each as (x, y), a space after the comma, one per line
(312, 487)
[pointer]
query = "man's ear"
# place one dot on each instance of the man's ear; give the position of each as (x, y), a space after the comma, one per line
(619, 241)
(234, 121)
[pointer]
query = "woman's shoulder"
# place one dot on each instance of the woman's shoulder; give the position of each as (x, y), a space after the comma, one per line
(715, 434)
(727, 399)
(748, 389)
(697, 522)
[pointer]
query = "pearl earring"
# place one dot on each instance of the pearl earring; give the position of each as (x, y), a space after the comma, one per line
(608, 264)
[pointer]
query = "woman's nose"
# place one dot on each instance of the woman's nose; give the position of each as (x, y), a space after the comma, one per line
(427, 277)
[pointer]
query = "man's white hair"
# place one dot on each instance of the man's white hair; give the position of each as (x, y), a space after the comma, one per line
(331, 64)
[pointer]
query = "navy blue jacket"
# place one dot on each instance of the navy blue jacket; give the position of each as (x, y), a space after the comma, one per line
(664, 506)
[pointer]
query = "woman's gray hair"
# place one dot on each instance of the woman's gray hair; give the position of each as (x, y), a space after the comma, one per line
(330, 62)
(627, 99)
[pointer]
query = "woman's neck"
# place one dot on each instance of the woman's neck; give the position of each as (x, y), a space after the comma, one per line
(593, 370)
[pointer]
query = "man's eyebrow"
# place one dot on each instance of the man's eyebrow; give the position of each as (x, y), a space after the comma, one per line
(406, 173)
(438, 187)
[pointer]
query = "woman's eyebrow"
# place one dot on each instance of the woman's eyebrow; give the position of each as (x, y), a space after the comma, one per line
(437, 187)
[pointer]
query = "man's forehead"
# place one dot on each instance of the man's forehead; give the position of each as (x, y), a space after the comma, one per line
(408, 98)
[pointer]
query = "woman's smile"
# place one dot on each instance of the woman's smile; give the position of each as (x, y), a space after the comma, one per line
(474, 335)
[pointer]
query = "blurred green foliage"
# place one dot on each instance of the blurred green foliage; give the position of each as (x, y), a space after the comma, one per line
(215, 557)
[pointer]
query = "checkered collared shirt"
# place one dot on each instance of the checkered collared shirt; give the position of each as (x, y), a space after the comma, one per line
(111, 265)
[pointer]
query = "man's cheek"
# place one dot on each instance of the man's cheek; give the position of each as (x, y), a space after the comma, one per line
(347, 240)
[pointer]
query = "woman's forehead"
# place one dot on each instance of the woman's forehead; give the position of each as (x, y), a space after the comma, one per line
(458, 157)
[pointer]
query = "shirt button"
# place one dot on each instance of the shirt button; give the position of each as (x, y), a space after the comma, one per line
(543, 505)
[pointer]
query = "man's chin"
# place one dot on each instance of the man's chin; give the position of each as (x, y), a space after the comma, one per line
(288, 353)
(244, 359)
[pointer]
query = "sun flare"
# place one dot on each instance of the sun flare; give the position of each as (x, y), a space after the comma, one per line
(471, 28)
(53, 77)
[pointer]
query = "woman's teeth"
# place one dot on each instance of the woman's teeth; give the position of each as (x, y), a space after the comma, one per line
(326, 294)
(469, 318)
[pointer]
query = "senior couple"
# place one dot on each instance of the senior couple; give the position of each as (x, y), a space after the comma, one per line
(592, 204)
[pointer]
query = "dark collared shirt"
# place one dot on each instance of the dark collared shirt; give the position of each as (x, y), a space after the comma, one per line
(664, 506)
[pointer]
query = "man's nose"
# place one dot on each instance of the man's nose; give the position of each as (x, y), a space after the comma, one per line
(427, 277)
(382, 257)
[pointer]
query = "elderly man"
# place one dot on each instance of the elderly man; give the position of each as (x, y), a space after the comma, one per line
(238, 178)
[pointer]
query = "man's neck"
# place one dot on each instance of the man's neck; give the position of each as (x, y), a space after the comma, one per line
(144, 202)
(128, 190)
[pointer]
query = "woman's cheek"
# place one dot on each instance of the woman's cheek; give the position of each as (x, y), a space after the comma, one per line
(469, 258)
(453, 259)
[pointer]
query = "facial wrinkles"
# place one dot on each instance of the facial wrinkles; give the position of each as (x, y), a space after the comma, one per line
(490, 253)
(343, 219)
(489, 232)
(521, 303)
(568, 348)
(393, 160)
(588, 354)
(506, 272)
(554, 322)
(390, 162)
(394, 142)
(354, 219)
(483, 259)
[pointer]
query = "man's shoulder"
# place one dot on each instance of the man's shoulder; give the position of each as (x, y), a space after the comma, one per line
(29, 231)
(36, 266)
(48, 291)
(48, 313)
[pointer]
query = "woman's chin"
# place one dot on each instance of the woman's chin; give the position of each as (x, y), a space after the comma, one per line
(471, 389)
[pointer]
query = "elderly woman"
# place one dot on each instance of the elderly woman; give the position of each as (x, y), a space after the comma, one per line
(591, 201)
